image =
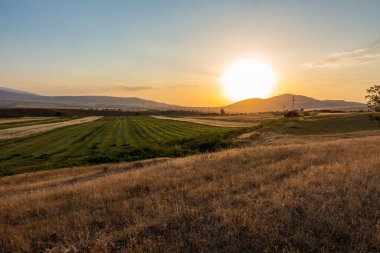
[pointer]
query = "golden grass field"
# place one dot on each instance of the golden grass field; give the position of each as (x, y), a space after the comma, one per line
(289, 195)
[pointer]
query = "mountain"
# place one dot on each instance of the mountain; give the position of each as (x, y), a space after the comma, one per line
(278, 103)
(11, 97)
(15, 91)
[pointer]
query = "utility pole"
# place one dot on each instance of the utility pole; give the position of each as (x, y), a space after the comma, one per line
(293, 104)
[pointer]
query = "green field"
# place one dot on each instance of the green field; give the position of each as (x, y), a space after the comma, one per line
(332, 124)
(110, 139)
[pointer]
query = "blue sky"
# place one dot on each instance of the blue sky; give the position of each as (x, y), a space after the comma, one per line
(159, 49)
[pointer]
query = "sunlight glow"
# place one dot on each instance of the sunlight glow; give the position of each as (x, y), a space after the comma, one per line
(248, 79)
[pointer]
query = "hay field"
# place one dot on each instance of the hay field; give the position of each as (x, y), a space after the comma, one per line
(110, 139)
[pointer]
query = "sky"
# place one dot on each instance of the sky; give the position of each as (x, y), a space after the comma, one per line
(176, 51)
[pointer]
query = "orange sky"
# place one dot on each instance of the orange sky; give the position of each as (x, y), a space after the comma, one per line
(177, 52)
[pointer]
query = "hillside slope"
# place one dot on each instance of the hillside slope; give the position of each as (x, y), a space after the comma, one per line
(278, 103)
(316, 197)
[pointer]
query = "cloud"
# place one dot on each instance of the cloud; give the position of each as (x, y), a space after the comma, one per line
(141, 88)
(348, 58)
(182, 86)
(134, 88)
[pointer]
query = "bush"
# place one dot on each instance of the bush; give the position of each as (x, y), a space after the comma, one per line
(289, 114)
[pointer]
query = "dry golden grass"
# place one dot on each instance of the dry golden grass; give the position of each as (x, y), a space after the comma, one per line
(18, 132)
(210, 122)
(317, 197)
(42, 180)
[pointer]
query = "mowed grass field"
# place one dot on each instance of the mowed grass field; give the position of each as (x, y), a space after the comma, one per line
(110, 139)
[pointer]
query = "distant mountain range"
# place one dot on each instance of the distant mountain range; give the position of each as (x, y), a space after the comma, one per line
(16, 98)
(12, 97)
(15, 91)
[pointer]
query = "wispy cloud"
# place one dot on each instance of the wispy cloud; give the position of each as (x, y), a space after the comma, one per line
(182, 86)
(348, 58)
(142, 87)
(134, 88)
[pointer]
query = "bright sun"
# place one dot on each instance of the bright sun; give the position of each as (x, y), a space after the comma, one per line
(248, 79)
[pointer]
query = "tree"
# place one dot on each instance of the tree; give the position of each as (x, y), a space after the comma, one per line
(222, 111)
(373, 97)
(373, 102)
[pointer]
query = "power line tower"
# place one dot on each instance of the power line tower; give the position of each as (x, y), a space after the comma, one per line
(293, 104)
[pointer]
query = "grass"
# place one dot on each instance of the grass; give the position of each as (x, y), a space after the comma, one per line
(319, 197)
(110, 139)
(333, 124)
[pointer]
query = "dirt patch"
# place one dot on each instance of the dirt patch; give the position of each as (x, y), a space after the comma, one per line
(209, 122)
(18, 132)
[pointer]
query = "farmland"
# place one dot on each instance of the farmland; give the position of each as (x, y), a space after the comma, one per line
(110, 139)
(307, 197)
(293, 185)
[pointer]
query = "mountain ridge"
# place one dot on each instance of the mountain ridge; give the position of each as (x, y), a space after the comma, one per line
(11, 97)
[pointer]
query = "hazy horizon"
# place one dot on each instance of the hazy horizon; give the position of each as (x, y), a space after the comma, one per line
(177, 53)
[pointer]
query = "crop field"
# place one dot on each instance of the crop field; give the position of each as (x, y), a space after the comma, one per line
(110, 139)
(330, 124)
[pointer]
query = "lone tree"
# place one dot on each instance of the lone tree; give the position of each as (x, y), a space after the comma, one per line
(222, 111)
(373, 98)
(373, 102)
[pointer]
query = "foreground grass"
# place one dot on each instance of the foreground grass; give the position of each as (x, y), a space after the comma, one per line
(320, 197)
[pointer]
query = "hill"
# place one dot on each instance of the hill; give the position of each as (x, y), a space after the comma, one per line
(18, 98)
(15, 91)
(278, 103)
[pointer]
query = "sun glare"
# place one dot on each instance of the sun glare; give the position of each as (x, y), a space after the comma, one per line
(248, 79)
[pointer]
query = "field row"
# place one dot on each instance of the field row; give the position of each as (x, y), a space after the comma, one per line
(109, 139)
(20, 122)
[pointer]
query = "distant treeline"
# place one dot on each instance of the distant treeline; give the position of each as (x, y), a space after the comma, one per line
(50, 112)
